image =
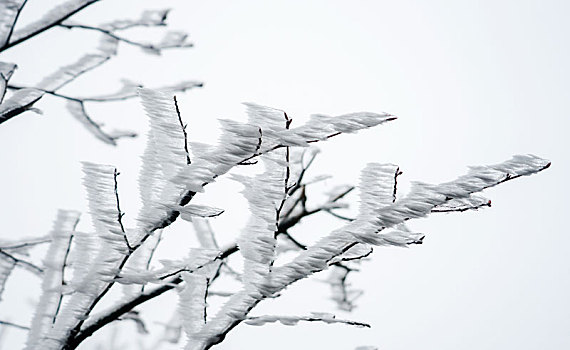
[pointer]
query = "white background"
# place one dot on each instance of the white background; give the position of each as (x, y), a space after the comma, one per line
(472, 82)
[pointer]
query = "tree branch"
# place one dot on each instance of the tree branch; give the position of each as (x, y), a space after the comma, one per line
(119, 212)
(15, 325)
(146, 46)
(63, 266)
(183, 128)
(33, 30)
(25, 264)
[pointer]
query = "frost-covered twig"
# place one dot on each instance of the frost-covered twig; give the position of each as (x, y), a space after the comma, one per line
(172, 40)
(341, 294)
(51, 19)
(54, 282)
(64, 265)
(23, 98)
(293, 320)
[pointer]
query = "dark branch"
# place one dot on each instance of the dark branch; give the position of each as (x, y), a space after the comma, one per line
(261, 320)
(183, 127)
(24, 245)
(63, 266)
(398, 173)
(14, 21)
(294, 241)
(15, 325)
(338, 216)
(25, 264)
(461, 209)
(119, 212)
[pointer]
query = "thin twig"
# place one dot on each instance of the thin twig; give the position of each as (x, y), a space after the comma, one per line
(304, 169)
(338, 216)
(63, 266)
(23, 245)
(294, 241)
(152, 251)
(398, 173)
(461, 209)
(357, 257)
(25, 264)
(259, 320)
(15, 325)
(110, 34)
(206, 300)
(119, 213)
(183, 127)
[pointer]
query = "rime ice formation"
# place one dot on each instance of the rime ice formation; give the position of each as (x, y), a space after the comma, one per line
(175, 170)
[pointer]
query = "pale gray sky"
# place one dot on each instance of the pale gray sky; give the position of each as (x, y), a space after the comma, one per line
(472, 82)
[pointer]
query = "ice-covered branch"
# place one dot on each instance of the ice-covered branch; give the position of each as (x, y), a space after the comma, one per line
(23, 98)
(368, 227)
(6, 268)
(53, 283)
(293, 320)
(9, 12)
(168, 183)
(462, 204)
(51, 19)
(20, 101)
(374, 218)
(77, 110)
(170, 41)
(341, 294)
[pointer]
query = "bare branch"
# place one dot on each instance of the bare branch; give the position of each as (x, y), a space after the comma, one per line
(23, 263)
(24, 244)
(183, 128)
(396, 174)
(338, 216)
(15, 325)
(119, 212)
(293, 240)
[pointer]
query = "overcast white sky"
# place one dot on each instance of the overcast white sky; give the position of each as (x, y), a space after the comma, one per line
(472, 82)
